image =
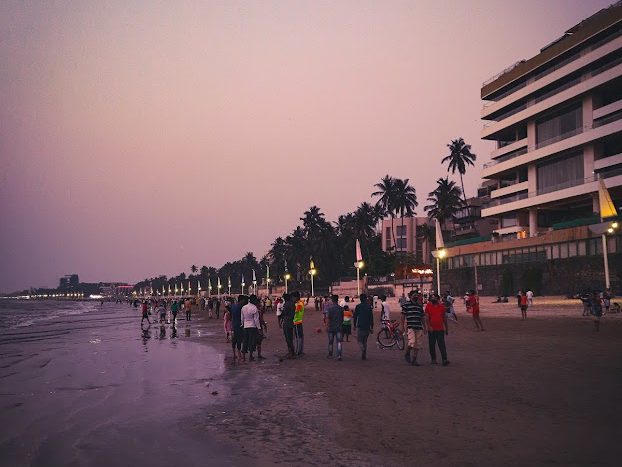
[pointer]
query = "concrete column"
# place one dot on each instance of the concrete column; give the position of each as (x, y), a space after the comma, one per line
(533, 222)
(588, 111)
(588, 160)
(531, 135)
(532, 179)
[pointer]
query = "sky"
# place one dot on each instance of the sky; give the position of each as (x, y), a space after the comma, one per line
(140, 137)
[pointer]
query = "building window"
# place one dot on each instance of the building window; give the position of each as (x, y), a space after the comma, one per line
(401, 243)
(562, 125)
(401, 230)
(563, 172)
(581, 249)
(508, 220)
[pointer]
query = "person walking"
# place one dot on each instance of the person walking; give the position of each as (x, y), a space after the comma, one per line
(188, 309)
(385, 309)
(597, 310)
(346, 327)
(448, 301)
(523, 304)
(174, 310)
(252, 325)
(333, 320)
(472, 304)
(436, 324)
(237, 329)
(529, 298)
(288, 310)
(298, 317)
(145, 311)
(217, 307)
(413, 325)
(210, 308)
(227, 324)
(363, 323)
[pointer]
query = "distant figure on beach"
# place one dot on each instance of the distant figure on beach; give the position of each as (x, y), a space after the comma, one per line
(162, 312)
(217, 307)
(364, 323)
(413, 324)
(597, 310)
(347, 318)
(333, 321)
(251, 325)
(436, 324)
(174, 310)
(298, 318)
(287, 323)
(227, 324)
(279, 310)
(529, 298)
(472, 305)
(385, 309)
(448, 301)
(210, 308)
(145, 311)
(607, 300)
(188, 309)
(523, 304)
(237, 328)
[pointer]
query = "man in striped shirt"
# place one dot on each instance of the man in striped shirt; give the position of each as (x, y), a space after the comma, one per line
(413, 318)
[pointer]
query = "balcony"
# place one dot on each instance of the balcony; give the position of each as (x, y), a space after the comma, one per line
(492, 128)
(552, 74)
(555, 193)
(586, 135)
(607, 109)
(609, 161)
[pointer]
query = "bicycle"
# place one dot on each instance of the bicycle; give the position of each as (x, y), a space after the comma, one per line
(390, 335)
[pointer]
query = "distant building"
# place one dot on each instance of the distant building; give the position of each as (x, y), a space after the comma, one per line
(408, 237)
(69, 281)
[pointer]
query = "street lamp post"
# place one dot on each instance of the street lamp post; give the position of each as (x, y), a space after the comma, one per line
(439, 254)
(287, 277)
(358, 265)
(312, 272)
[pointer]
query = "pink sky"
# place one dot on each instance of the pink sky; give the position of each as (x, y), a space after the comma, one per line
(139, 138)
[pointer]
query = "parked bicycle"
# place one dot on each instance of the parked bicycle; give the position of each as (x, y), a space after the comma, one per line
(390, 335)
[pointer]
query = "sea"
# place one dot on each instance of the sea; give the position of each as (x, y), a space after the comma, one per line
(84, 384)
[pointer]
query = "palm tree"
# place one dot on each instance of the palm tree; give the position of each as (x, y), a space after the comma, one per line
(459, 157)
(386, 191)
(444, 201)
(405, 199)
(193, 269)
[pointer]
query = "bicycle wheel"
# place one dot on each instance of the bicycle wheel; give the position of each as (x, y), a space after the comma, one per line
(385, 339)
(399, 339)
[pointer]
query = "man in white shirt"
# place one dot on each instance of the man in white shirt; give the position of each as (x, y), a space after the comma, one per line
(529, 297)
(251, 324)
(385, 309)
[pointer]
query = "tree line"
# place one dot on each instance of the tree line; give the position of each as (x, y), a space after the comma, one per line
(331, 245)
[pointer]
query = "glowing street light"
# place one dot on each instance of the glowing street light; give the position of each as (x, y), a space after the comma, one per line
(287, 277)
(358, 265)
(312, 272)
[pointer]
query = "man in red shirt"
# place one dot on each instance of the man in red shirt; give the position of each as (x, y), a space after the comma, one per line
(472, 305)
(436, 320)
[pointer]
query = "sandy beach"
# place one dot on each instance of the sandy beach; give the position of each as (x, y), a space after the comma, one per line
(545, 391)
(90, 388)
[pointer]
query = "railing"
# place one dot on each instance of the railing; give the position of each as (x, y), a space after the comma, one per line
(549, 70)
(560, 186)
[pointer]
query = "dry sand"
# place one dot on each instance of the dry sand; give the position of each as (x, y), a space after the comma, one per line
(545, 391)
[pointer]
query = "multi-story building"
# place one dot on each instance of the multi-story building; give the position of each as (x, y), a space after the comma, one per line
(408, 237)
(556, 120)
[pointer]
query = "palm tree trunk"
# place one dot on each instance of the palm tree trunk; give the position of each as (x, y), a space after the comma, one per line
(463, 192)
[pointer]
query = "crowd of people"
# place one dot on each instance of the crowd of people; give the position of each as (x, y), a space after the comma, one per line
(423, 317)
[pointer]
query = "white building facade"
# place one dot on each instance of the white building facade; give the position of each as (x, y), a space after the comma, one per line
(556, 120)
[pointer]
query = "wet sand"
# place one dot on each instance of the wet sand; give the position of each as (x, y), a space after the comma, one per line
(545, 391)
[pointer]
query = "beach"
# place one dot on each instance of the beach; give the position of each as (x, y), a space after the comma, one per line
(545, 391)
(90, 389)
